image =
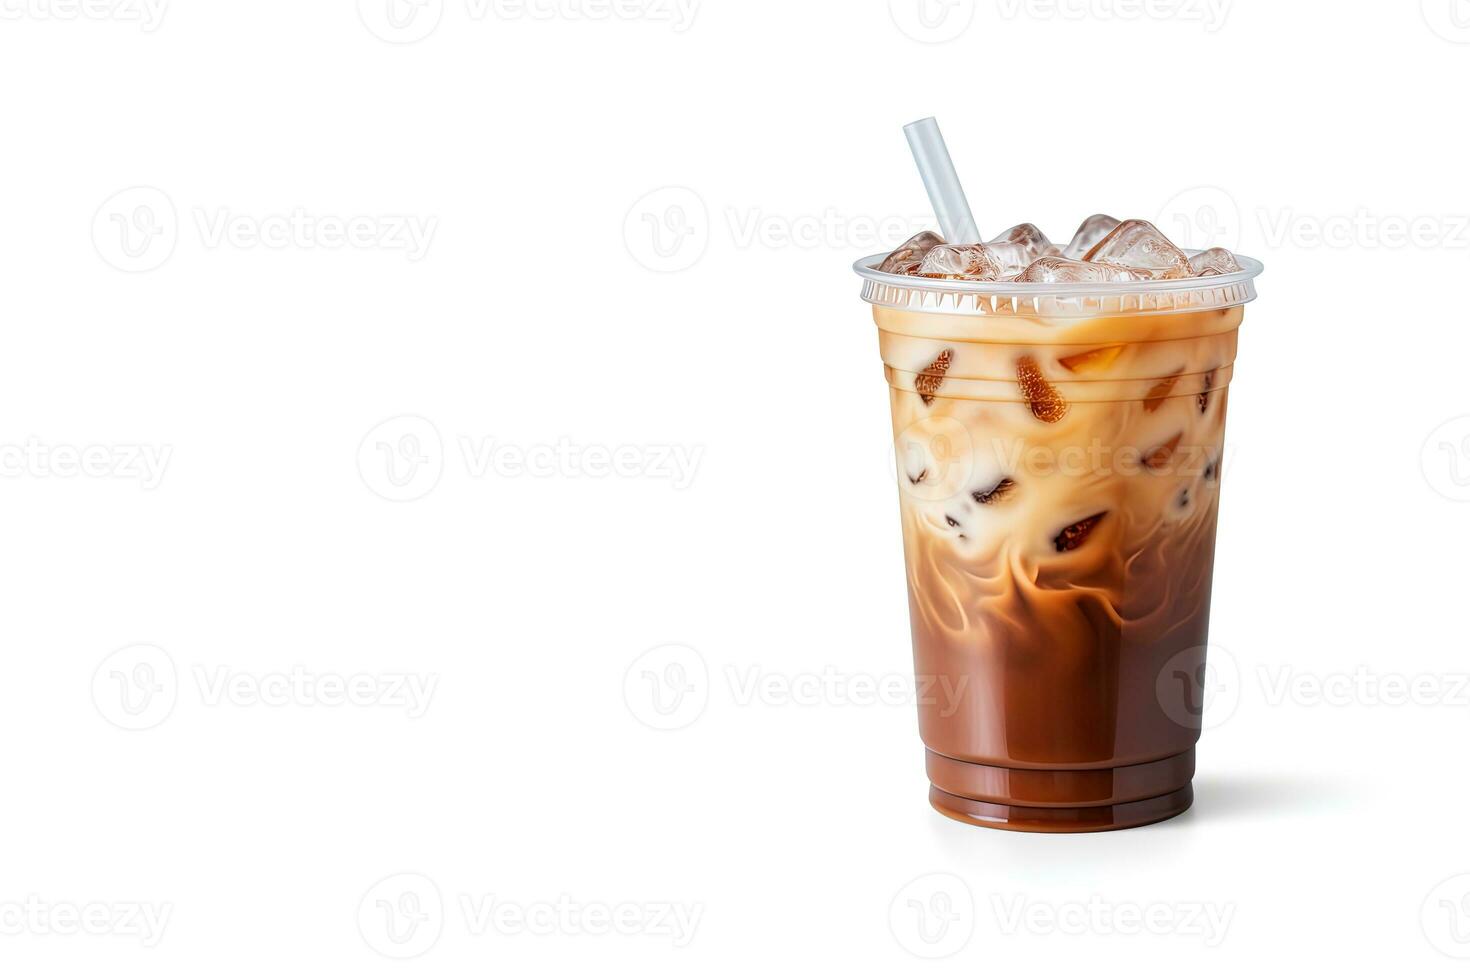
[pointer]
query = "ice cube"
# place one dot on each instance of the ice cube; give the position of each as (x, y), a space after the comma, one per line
(1013, 257)
(932, 377)
(1091, 361)
(995, 494)
(1089, 233)
(1028, 236)
(1047, 404)
(1158, 458)
(962, 262)
(1054, 268)
(1214, 262)
(905, 259)
(1160, 392)
(1074, 536)
(1137, 244)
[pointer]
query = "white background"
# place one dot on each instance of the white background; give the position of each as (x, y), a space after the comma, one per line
(293, 394)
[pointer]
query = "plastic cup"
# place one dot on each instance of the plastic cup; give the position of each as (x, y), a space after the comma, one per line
(1059, 451)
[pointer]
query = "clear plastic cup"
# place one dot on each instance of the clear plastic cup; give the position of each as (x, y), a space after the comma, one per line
(1059, 452)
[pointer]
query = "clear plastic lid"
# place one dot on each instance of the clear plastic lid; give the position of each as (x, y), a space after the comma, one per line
(1072, 299)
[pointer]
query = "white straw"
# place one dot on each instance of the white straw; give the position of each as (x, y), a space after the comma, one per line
(943, 184)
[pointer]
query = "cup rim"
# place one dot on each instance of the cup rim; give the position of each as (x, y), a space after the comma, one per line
(866, 267)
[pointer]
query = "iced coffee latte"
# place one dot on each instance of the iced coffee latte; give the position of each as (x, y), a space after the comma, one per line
(1059, 425)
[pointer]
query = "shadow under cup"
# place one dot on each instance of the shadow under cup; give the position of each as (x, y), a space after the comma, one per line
(1059, 452)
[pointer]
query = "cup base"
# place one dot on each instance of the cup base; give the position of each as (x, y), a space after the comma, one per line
(1061, 819)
